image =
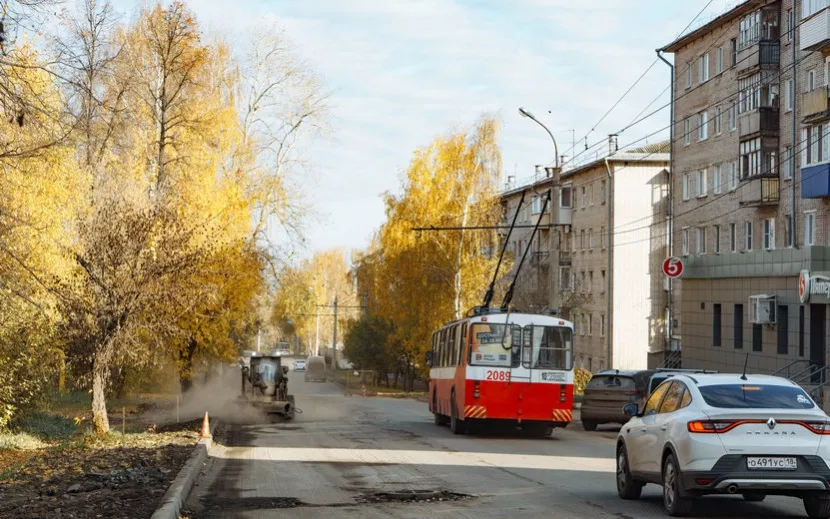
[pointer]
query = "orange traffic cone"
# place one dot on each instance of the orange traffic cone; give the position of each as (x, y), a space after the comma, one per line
(205, 432)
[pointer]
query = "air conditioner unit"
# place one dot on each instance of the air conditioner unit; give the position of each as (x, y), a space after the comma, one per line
(762, 309)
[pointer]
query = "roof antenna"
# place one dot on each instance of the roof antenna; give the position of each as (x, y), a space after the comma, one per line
(746, 361)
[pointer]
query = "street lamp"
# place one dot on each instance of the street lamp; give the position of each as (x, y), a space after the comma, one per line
(524, 113)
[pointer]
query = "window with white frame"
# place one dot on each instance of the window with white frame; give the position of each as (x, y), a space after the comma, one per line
(788, 230)
(582, 239)
(768, 228)
(582, 325)
(789, 161)
(788, 95)
(689, 76)
(750, 158)
(790, 25)
(815, 146)
(811, 7)
(602, 325)
(685, 241)
(591, 239)
(750, 30)
(718, 119)
(809, 228)
(700, 240)
(703, 126)
(702, 184)
(811, 80)
(733, 237)
(590, 324)
(733, 175)
(733, 52)
(686, 182)
(748, 235)
(749, 93)
(603, 192)
(719, 60)
(603, 237)
(717, 179)
(703, 68)
(733, 117)
(536, 205)
(717, 239)
(584, 197)
(687, 131)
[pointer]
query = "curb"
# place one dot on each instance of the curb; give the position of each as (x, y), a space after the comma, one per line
(173, 500)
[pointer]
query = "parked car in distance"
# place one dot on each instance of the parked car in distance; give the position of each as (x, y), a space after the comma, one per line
(315, 369)
(299, 365)
(608, 392)
(701, 434)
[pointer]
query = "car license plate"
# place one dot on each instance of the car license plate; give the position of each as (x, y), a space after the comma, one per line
(771, 463)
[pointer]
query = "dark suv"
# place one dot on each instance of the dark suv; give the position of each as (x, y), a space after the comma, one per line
(608, 392)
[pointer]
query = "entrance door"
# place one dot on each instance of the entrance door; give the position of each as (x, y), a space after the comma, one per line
(818, 339)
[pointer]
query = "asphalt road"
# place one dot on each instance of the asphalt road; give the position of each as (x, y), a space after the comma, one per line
(338, 456)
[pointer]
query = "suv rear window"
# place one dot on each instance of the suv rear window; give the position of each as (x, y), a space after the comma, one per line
(759, 396)
(610, 382)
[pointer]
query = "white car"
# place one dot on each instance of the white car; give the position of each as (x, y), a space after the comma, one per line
(754, 435)
(299, 365)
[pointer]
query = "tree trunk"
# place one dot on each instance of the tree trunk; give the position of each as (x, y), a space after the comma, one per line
(186, 366)
(458, 263)
(100, 420)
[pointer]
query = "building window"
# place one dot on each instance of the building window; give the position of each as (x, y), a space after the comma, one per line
(790, 25)
(686, 182)
(748, 235)
(701, 240)
(602, 325)
(590, 324)
(733, 237)
(703, 126)
(703, 66)
(584, 197)
(733, 117)
(565, 197)
(602, 191)
(582, 325)
(591, 195)
(591, 281)
(788, 160)
(719, 60)
(801, 331)
(783, 329)
(816, 140)
(810, 228)
(733, 176)
(602, 237)
(717, 180)
(733, 52)
(750, 158)
(591, 239)
(749, 93)
(757, 337)
(582, 239)
(717, 239)
(702, 184)
(689, 76)
(788, 230)
(788, 95)
(811, 80)
(602, 279)
(687, 131)
(565, 278)
(738, 326)
(768, 227)
(685, 239)
(718, 119)
(716, 325)
(750, 30)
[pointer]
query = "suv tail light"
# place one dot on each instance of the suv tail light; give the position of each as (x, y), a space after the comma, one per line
(817, 427)
(716, 426)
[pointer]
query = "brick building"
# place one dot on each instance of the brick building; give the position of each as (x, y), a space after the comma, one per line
(751, 163)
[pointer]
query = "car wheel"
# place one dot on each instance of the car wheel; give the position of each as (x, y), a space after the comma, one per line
(627, 486)
(817, 507)
(675, 503)
(456, 425)
(754, 497)
(589, 425)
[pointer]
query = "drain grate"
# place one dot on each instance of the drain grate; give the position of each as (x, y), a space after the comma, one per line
(412, 496)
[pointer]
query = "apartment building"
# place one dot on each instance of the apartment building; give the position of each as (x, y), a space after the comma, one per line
(751, 162)
(609, 261)
(596, 259)
(533, 288)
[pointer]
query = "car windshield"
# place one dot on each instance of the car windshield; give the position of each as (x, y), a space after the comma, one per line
(756, 396)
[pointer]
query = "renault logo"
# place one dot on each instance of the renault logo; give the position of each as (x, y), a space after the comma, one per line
(771, 423)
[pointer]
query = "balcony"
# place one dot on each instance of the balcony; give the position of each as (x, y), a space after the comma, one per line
(814, 104)
(760, 191)
(815, 181)
(763, 121)
(814, 32)
(766, 54)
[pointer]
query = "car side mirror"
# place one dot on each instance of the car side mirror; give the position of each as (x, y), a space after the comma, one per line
(631, 409)
(429, 359)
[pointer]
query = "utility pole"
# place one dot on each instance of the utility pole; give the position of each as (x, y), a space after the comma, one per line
(258, 339)
(317, 331)
(334, 336)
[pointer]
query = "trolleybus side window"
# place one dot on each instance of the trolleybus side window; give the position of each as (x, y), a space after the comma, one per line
(548, 347)
(462, 343)
(453, 341)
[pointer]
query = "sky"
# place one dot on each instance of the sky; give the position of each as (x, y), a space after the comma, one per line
(402, 72)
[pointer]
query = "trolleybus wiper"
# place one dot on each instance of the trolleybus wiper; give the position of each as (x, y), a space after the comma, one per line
(508, 297)
(488, 297)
